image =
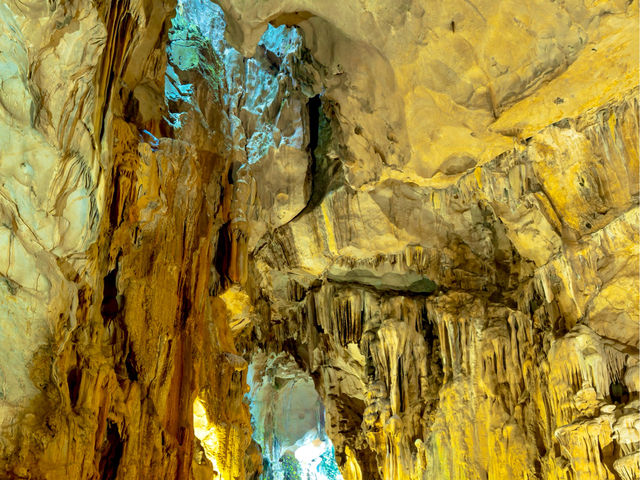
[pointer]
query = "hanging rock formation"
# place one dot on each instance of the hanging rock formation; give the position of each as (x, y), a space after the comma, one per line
(428, 209)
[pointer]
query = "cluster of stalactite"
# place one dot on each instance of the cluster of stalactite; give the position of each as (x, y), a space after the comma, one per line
(189, 210)
(499, 369)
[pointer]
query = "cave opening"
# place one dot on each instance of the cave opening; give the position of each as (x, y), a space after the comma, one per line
(288, 421)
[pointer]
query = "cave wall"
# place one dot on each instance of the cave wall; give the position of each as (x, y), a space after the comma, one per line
(463, 282)
(111, 221)
(432, 208)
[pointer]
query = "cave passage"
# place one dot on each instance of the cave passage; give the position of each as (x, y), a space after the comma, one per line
(287, 414)
(288, 420)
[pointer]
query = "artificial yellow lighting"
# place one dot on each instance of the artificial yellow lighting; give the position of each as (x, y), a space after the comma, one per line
(205, 432)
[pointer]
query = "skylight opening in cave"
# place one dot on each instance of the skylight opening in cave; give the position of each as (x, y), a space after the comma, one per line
(197, 44)
(288, 420)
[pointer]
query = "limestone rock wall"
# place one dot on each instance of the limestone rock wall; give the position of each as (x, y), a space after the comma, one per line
(471, 352)
(432, 208)
(111, 217)
(463, 286)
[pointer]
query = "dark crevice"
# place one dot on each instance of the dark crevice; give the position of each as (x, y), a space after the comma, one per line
(325, 173)
(109, 307)
(185, 310)
(619, 392)
(314, 107)
(399, 373)
(131, 109)
(222, 258)
(131, 365)
(73, 382)
(114, 209)
(111, 453)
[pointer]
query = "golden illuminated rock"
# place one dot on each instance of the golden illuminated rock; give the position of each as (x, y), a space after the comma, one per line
(424, 215)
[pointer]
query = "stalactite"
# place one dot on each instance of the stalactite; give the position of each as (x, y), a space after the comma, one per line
(386, 209)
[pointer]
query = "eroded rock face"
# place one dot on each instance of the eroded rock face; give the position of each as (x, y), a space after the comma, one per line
(110, 228)
(433, 209)
(465, 292)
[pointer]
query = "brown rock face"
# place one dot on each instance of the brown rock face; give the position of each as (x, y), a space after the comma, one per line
(427, 213)
(112, 277)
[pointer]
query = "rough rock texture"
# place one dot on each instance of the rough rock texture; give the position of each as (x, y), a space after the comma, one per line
(463, 283)
(432, 207)
(110, 222)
